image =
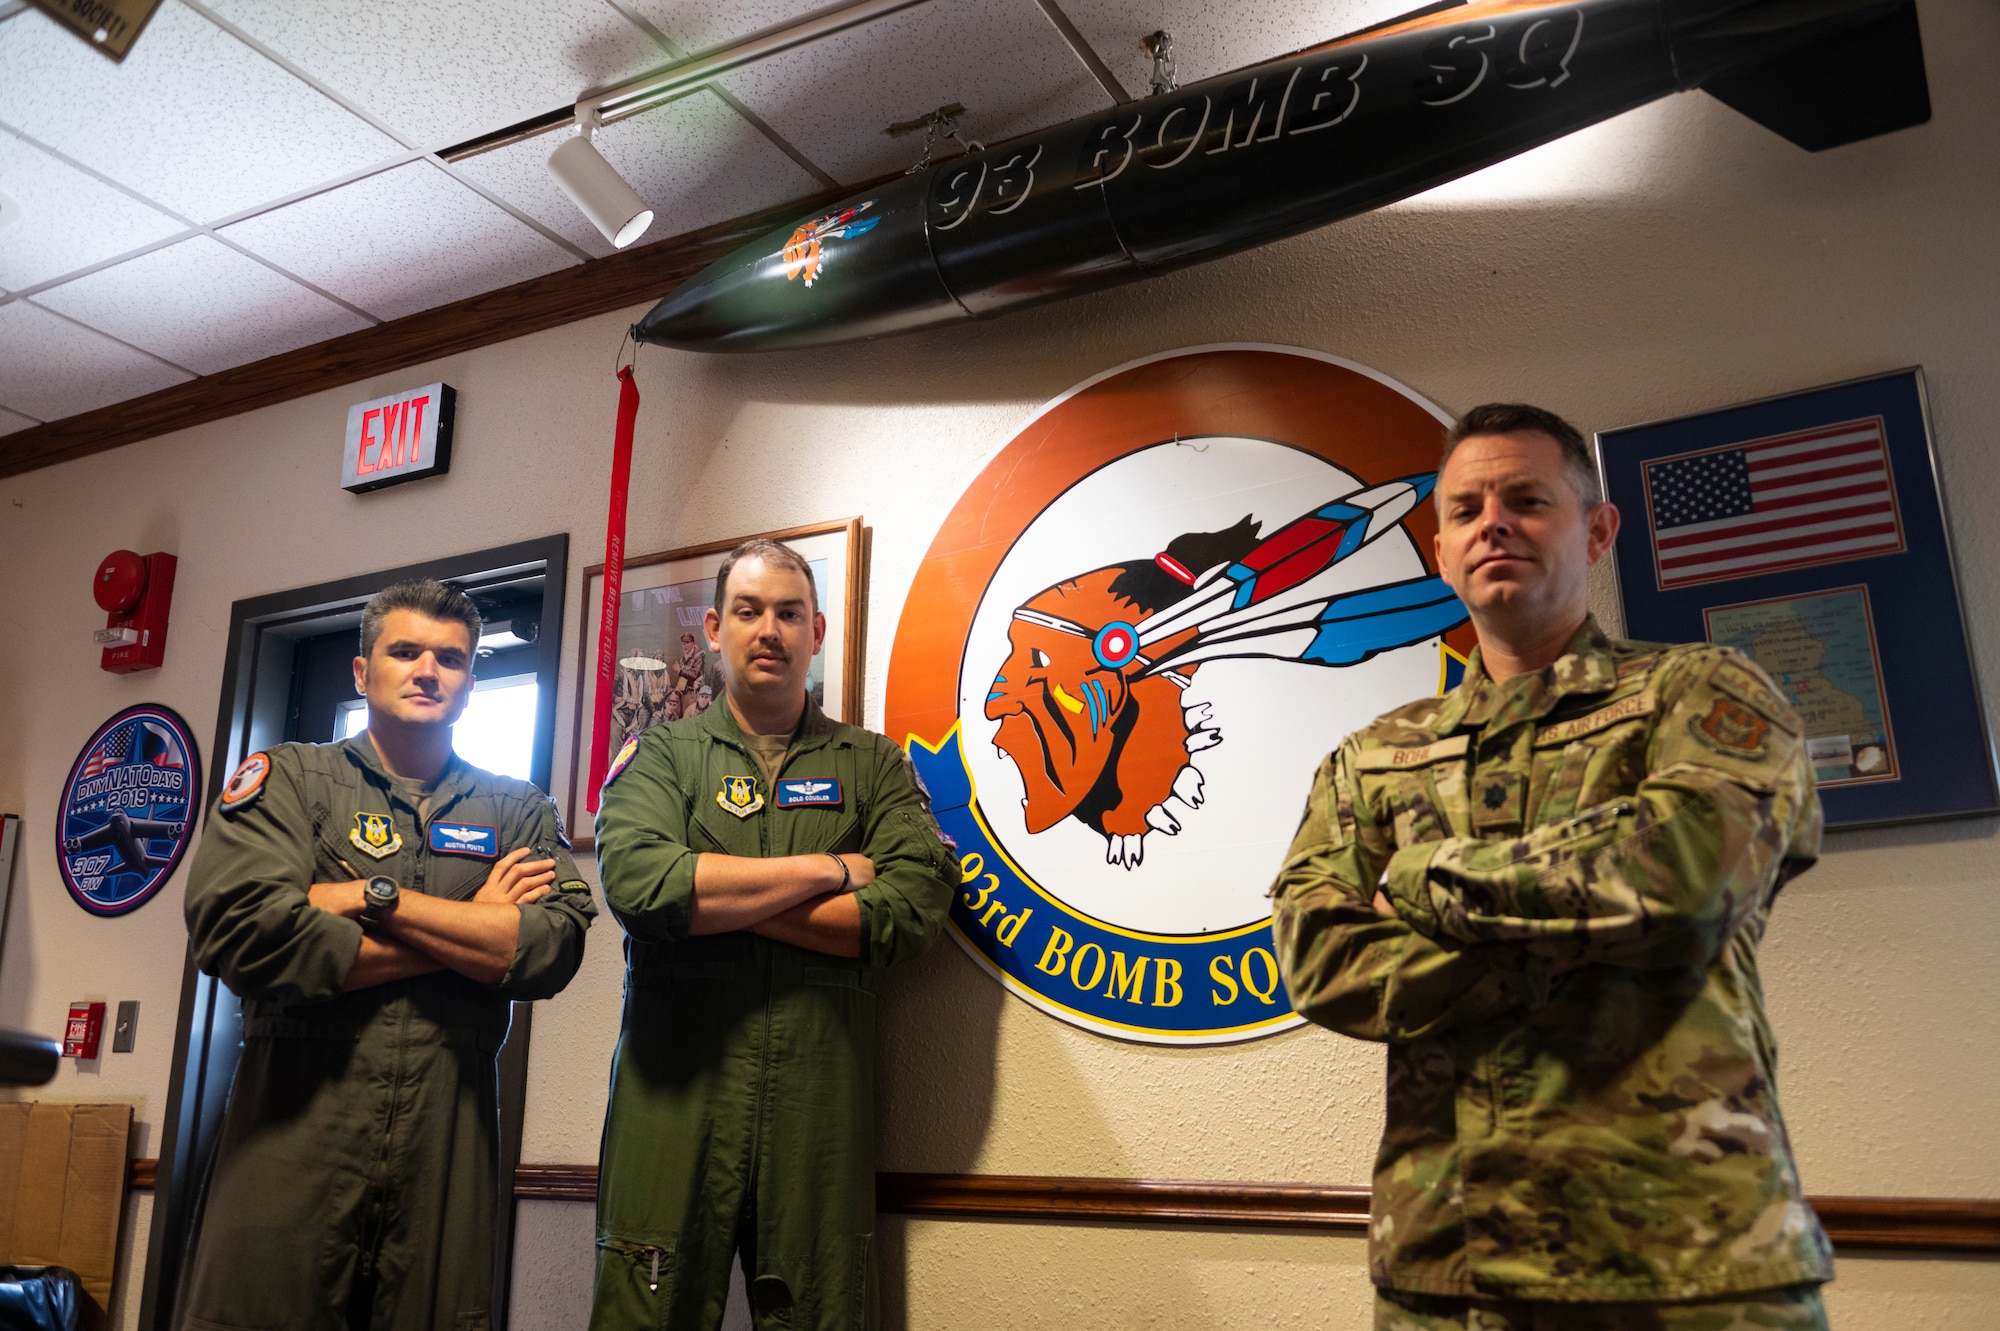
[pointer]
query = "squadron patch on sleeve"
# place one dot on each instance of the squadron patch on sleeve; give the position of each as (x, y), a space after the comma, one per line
(1733, 676)
(623, 760)
(246, 783)
(1731, 728)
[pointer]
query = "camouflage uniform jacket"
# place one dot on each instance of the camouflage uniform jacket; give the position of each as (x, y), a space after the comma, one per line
(1605, 1129)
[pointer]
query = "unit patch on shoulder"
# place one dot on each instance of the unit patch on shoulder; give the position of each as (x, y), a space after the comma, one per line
(482, 843)
(739, 795)
(809, 792)
(623, 760)
(375, 836)
(246, 783)
(1731, 728)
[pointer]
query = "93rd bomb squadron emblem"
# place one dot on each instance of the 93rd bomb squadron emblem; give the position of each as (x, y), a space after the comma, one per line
(1199, 572)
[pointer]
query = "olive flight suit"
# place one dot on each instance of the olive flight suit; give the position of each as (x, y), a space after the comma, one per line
(1581, 862)
(742, 1092)
(356, 1179)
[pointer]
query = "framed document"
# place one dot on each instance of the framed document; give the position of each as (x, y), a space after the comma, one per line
(1809, 532)
(665, 670)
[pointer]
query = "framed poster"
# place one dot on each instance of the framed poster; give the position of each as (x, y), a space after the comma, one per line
(1809, 532)
(665, 670)
(1139, 629)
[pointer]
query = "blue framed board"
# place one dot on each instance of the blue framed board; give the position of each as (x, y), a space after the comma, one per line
(1809, 531)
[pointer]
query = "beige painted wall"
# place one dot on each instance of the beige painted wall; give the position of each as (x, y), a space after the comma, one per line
(1677, 259)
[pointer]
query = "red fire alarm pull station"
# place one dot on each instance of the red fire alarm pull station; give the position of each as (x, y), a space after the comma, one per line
(85, 1029)
(136, 591)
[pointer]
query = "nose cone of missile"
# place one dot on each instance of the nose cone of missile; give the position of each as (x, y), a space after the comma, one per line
(861, 268)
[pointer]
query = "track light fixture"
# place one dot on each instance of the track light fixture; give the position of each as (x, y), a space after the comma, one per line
(595, 186)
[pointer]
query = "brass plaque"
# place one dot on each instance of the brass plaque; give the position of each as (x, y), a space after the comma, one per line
(109, 25)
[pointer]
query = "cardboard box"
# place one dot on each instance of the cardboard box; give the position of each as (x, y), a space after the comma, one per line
(62, 1190)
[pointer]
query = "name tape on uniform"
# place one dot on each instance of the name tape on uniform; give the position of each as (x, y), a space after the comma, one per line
(1393, 759)
(809, 792)
(482, 843)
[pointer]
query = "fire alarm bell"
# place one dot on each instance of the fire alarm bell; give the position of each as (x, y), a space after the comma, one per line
(85, 1029)
(135, 591)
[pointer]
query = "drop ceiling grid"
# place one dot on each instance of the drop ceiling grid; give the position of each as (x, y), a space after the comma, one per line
(1002, 59)
(445, 71)
(51, 368)
(51, 237)
(1215, 36)
(202, 305)
(694, 161)
(399, 242)
(193, 120)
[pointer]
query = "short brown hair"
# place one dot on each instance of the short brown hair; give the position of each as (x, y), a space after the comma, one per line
(1516, 417)
(769, 552)
(425, 596)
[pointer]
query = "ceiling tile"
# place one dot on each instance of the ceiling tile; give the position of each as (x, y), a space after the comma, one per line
(698, 25)
(10, 421)
(194, 120)
(202, 305)
(69, 219)
(399, 242)
(694, 160)
(1215, 36)
(1002, 58)
(50, 368)
(444, 71)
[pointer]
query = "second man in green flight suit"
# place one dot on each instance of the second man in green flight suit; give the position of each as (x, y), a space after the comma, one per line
(766, 863)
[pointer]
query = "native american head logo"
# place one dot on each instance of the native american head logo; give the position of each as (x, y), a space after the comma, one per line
(805, 251)
(1088, 700)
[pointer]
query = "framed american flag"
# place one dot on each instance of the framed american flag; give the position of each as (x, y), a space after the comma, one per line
(1809, 531)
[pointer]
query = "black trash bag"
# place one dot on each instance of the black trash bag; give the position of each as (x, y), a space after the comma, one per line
(40, 1298)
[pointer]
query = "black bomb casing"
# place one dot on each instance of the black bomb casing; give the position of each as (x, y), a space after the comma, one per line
(1280, 148)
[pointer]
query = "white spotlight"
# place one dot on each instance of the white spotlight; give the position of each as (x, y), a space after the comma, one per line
(596, 188)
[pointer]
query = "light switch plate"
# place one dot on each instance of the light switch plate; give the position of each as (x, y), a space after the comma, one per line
(126, 1029)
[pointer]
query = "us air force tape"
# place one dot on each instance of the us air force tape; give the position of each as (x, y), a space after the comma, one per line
(246, 783)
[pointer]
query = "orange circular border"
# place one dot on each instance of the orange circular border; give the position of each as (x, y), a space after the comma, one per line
(1356, 419)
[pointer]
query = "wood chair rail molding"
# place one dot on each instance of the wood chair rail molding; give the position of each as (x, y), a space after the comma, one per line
(1933, 1224)
(564, 296)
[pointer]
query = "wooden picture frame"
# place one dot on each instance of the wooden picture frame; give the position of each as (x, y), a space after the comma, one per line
(662, 598)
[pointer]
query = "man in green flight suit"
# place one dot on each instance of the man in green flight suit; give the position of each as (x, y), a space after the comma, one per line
(1544, 891)
(375, 905)
(767, 863)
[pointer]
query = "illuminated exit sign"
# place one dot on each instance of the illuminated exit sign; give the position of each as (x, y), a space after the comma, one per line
(395, 439)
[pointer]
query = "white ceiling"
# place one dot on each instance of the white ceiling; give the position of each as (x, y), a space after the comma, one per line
(260, 175)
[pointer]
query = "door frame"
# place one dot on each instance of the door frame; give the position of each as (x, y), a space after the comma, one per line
(208, 1032)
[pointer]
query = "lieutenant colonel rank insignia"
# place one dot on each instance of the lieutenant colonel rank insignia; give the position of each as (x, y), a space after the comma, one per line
(740, 796)
(374, 836)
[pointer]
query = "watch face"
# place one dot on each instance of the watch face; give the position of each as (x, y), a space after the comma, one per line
(381, 889)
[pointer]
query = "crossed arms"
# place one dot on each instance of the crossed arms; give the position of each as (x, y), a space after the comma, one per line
(476, 938)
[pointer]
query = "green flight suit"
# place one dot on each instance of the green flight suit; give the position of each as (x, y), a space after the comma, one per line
(356, 1179)
(1581, 862)
(742, 1092)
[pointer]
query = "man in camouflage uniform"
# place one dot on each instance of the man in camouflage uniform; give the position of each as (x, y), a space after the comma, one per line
(357, 1176)
(1544, 892)
(767, 863)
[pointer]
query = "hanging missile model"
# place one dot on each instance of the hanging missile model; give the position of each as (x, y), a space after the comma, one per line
(1280, 148)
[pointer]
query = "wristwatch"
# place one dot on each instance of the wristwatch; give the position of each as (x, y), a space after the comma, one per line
(378, 898)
